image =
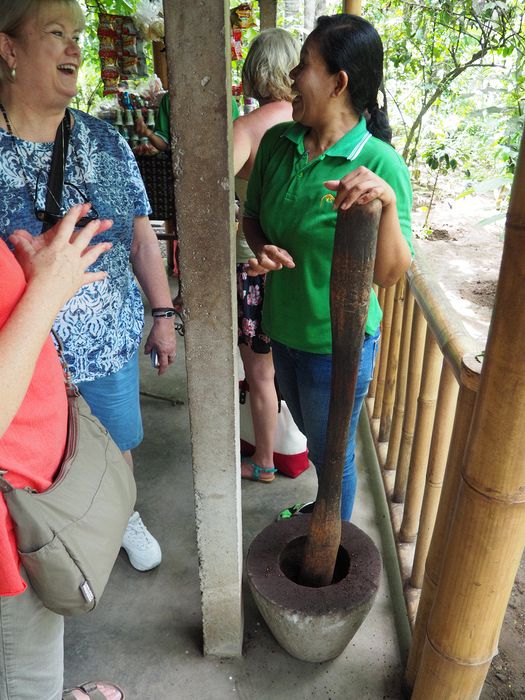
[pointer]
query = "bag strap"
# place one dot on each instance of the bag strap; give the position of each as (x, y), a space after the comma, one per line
(55, 183)
(71, 389)
(5, 486)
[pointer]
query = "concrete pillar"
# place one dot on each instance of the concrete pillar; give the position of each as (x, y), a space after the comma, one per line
(268, 13)
(200, 87)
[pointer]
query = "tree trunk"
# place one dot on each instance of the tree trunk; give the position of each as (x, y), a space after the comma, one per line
(268, 13)
(310, 10)
(293, 13)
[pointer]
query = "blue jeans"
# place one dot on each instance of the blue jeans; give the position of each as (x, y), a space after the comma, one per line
(304, 380)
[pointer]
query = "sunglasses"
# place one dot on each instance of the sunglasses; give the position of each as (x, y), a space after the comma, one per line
(71, 194)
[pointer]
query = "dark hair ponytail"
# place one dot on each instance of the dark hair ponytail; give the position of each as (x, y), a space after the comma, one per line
(377, 122)
(350, 43)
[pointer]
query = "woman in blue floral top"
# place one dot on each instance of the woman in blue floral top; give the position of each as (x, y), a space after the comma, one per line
(101, 326)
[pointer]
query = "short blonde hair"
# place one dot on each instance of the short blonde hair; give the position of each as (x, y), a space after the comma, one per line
(266, 71)
(15, 13)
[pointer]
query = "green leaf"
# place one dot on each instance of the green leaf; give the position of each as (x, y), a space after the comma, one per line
(492, 219)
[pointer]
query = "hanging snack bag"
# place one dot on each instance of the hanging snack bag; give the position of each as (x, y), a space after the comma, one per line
(107, 36)
(242, 17)
(236, 44)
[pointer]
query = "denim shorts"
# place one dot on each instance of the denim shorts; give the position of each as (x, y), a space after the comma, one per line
(115, 401)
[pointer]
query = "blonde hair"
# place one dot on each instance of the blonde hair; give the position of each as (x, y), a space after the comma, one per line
(15, 13)
(266, 71)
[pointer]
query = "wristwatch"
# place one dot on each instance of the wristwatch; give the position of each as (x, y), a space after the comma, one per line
(163, 312)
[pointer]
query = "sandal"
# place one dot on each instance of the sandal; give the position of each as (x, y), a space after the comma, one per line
(91, 690)
(296, 509)
(258, 470)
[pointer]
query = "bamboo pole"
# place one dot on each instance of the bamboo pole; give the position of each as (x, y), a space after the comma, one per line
(386, 327)
(441, 436)
(350, 284)
(417, 344)
(423, 434)
(401, 383)
(393, 361)
(455, 342)
(160, 64)
(353, 7)
(487, 535)
(469, 384)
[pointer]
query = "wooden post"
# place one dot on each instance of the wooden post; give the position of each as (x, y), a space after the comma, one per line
(350, 284)
(417, 345)
(200, 89)
(386, 327)
(353, 7)
(487, 535)
(469, 384)
(393, 361)
(441, 435)
(268, 14)
(423, 434)
(160, 64)
(401, 383)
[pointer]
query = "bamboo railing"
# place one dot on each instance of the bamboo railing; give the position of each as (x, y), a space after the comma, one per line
(451, 448)
(413, 412)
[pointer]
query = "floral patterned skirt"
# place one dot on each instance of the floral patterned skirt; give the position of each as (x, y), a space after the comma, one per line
(250, 295)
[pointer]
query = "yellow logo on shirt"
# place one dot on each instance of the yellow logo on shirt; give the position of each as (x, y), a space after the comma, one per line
(327, 200)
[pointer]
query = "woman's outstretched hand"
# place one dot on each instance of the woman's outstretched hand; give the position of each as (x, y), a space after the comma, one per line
(269, 257)
(57, 261)
(360, 187)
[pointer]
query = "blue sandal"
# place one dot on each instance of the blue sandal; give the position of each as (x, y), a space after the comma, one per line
(257, 470)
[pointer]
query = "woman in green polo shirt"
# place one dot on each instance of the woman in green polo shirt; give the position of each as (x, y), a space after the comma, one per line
(338, 143)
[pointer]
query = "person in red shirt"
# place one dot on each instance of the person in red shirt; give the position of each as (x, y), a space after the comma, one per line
(35, 283)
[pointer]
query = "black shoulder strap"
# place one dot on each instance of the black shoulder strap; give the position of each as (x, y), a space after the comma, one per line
(55, 183)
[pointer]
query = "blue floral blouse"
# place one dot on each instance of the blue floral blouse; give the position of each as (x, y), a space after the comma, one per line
(101, 326)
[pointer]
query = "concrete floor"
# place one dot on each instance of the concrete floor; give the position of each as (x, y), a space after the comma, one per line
(146, 633)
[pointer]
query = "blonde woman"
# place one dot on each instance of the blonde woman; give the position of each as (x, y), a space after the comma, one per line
(101, 327)
(265, 77)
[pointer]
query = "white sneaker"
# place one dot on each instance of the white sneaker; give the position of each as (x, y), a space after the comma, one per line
(141, 547)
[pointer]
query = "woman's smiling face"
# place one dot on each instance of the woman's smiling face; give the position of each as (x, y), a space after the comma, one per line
(312, 86)
(48, 55)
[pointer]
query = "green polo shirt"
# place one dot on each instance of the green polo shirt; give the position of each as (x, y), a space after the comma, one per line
(286, 194)
(162, 118)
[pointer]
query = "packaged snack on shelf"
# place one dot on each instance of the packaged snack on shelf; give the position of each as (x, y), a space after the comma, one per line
(121, 52)
(242, 16)
(236, 44)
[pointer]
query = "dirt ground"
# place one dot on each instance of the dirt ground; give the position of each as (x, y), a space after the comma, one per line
(465, 260)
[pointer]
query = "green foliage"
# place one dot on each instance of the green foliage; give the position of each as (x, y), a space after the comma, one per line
(454, 82)
(454, 77)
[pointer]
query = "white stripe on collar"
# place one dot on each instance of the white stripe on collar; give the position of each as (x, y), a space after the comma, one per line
(359, 147)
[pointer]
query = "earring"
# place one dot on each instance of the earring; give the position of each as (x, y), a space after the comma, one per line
(13, 74)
